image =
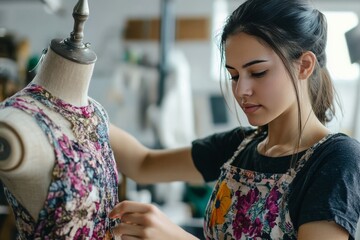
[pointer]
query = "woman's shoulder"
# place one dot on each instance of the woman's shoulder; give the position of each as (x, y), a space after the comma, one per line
(224, 142)
(320, 190)
(239, 132)
(342, 143)
(234, 134)
(339, 148)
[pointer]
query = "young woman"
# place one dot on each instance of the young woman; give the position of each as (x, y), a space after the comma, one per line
(288, 178)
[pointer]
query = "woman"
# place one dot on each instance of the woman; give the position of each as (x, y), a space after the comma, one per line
(288, 178)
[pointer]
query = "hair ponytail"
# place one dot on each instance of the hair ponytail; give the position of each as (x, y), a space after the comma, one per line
(322, 94)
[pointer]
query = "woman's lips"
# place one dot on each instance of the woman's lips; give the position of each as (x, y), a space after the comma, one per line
(250, 108)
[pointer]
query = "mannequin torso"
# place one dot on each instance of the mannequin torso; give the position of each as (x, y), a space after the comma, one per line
(23, 169)
(56, 163)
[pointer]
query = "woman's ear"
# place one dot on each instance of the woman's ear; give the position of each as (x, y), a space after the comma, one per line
(307, 64)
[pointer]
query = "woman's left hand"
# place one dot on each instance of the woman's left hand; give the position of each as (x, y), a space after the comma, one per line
(145, 221)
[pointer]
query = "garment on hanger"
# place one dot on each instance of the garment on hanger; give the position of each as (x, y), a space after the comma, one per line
(84, 182)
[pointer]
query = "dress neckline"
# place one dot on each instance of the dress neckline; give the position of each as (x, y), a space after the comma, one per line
(46, 97)
(83, 119)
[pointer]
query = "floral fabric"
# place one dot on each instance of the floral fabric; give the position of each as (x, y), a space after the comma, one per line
(84, 179)
(251, 205)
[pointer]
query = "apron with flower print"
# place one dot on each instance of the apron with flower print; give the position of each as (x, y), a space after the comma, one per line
(247, 204)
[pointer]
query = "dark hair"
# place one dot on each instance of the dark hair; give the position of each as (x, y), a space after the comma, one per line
(290, 28)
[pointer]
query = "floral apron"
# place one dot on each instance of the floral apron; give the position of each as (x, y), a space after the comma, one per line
(247, 204)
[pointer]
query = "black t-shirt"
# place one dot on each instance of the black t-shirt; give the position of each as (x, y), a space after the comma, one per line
(326, 188)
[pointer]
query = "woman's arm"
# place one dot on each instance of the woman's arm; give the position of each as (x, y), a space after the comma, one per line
(328, 230)
(145, 165)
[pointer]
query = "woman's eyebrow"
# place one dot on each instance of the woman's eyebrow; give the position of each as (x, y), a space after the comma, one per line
(252, 63)
(247, 64)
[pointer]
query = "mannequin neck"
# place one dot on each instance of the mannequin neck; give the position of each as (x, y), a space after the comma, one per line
(65, 79)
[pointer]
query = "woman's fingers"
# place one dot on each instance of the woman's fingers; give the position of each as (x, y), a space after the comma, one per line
(136, 219)
(129, 238)
(145, 222)
(129, 230)
(130, 207)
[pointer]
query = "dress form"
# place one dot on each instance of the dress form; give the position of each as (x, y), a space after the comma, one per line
(26, 156)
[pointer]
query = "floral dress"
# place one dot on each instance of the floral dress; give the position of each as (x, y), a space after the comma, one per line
(83, 189)
(252, 205)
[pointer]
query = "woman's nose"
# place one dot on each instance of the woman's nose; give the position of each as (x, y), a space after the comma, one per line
(243, 88)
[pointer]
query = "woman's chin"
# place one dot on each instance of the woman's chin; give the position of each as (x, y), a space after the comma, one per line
(256, 123)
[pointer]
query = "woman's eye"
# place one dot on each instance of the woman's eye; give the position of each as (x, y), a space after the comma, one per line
(259, 74)
(234, 78)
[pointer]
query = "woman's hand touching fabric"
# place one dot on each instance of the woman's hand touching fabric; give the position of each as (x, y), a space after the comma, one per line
(145, 221)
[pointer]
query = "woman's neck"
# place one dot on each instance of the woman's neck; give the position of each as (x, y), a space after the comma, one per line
(65, 79)
(285, 137)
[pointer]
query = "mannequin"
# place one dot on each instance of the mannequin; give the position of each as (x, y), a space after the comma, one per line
(28, 158)
(20, 133)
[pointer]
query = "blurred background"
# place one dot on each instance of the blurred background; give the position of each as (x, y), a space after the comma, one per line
(158, 73)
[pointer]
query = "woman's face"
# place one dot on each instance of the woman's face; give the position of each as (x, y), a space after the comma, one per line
(260, 83)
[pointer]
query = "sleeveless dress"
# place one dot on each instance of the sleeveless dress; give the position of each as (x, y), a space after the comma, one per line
(83, 189)
(252, 205)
